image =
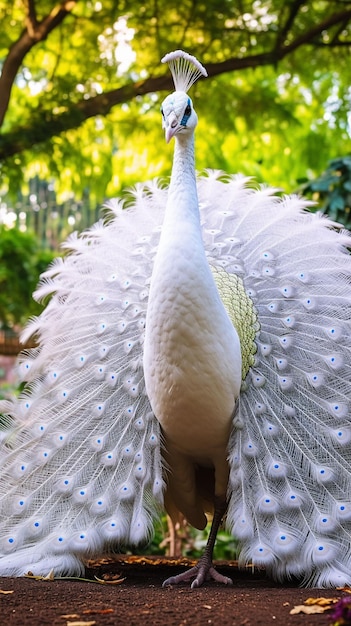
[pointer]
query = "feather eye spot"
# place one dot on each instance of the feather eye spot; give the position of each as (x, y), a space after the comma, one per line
(102, 326)
(303, 277)
(128, 451)
(109, 459)
(99, 409)
(258, 380)
(267, 255)
(268, 271)
(334, 332)
(286, 341)
(334, 361)
(250, 449)
(343, 511)
(287, 291)
(260, 408)
(285, 382)
(339, 409)
(262, 554)
(316, 379)
(342, 436)
(103, 351)
(97, 442)
(273, 307)
(325, 474)
(268, 505)
(289, 321)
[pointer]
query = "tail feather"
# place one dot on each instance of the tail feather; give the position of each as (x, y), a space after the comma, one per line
(81, 457)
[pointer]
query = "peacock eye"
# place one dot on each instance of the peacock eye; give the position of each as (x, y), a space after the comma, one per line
(187, 110)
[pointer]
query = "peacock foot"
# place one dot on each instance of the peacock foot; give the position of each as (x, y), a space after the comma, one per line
(201, 572)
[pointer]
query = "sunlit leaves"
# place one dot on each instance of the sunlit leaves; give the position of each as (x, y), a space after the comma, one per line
(279, 120)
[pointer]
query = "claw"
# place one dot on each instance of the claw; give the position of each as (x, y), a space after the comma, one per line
(204, 569)
(201, 572)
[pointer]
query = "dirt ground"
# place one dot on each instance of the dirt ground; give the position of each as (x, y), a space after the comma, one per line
(139, 599)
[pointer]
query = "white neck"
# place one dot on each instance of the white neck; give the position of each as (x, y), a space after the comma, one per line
(182, 205)
(183, 169)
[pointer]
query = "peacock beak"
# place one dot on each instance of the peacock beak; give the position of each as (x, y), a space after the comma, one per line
(172, 126)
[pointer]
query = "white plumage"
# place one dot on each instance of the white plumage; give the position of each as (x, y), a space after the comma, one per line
(142, 391)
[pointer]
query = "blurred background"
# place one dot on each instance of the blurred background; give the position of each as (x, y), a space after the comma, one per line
(80, 91)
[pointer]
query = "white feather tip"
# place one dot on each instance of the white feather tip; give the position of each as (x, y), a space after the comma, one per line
(185, 69)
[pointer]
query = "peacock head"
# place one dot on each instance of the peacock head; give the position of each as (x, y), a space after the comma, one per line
(178, 114)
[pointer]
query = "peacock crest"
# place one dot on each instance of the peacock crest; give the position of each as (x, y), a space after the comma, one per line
(185, 69)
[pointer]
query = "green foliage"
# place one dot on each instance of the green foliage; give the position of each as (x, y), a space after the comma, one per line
(332, 190)
(192, 542)
(21, 262)
(267, 112)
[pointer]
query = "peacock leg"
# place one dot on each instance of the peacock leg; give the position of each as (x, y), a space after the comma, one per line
(204, 569)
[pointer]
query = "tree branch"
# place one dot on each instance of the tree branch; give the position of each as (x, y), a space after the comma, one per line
(35, 31)
(50, 125)
(282, 34)
(309, 36)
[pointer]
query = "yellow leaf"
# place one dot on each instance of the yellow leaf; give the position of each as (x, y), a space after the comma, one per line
(321, 601)
(49, 576)
(81, 623)
(302, 608)
(116, 581)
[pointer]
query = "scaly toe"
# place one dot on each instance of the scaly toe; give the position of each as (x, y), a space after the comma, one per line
(200, 573)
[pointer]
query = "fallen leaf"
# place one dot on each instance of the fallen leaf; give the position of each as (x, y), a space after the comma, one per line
(5, 593)
(116, 581)
(309, 610)
(346, 589)
(314, 605)
(321, 601)
(81, 623)
(70, 616)
(49, 576)
(97, 611)
(207, 606)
